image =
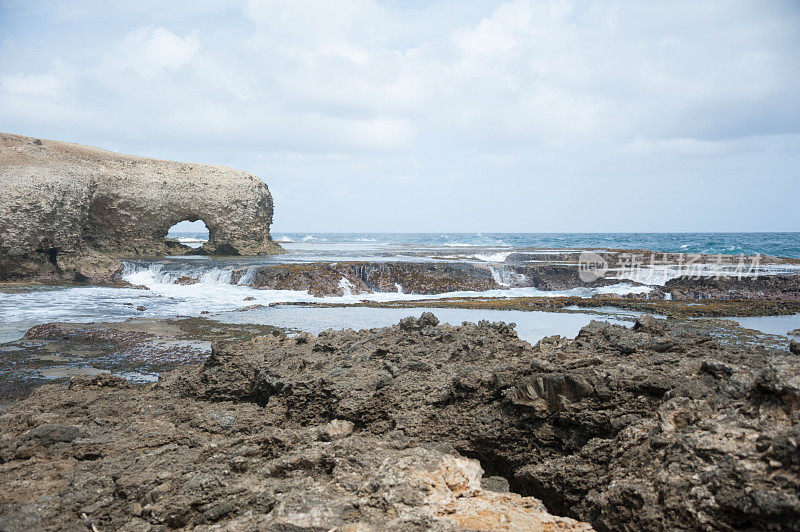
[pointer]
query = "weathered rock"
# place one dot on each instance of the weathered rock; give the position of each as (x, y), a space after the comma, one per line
(324, 279)
(794, 347)
(144, 459)
(141, 349)
(66, 211)
(659, 426)
(764, 287)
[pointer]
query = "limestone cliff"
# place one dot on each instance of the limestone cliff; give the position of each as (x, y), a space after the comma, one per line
(68, 212)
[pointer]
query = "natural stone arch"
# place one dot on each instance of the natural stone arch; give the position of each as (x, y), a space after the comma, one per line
(177, 228)
(64, 202)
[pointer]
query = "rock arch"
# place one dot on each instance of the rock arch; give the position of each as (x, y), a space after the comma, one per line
(173, 240)
(64, 201)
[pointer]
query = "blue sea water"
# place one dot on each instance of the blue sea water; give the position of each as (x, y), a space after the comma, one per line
(775, 244)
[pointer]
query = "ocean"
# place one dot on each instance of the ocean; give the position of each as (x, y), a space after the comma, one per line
(775, 244)
(22, 308)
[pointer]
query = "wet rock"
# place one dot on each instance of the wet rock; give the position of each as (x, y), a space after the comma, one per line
(249, 307)
(325, 279)
(794, 347)
(764, 287)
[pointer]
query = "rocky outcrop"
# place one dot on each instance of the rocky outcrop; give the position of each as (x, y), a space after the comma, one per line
(661, 426)
(103, 455)
(326, 279)
(67, 212)
(764, 287)
(656, 427)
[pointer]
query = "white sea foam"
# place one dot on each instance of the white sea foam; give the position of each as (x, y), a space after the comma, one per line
(346, 286)
(504, 277)
(282, 239)
(248, 277)
(658, 275)
(20, 310)
(492, 257)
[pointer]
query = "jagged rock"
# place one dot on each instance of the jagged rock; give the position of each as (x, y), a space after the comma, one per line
(145, 459)
(325, 279)
(67, 211)
(659, 426)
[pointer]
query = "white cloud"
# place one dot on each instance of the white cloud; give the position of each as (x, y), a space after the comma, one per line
(150, 51)
(545, 97)
(43, 84)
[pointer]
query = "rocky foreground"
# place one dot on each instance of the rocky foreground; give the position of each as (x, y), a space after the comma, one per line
(661, 426)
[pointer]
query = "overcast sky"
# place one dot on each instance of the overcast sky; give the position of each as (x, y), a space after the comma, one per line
(518, 116)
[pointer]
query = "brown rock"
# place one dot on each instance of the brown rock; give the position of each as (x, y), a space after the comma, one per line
(794, 347)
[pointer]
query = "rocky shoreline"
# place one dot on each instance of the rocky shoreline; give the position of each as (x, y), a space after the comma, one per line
(661, 426)
(680, 309)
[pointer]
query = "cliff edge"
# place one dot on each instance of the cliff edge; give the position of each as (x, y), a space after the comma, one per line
(68, 212)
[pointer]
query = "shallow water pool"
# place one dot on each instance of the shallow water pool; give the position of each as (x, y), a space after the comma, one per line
(531, 325)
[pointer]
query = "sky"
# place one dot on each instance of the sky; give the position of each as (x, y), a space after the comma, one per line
(435, 116)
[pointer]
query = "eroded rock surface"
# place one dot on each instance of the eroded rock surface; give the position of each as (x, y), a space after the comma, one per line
(67, 211)
(662, 426)
(764, 287)
(102, 455)
(657, 427)
(325, 279)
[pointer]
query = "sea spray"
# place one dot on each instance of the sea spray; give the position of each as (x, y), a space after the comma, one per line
(505, 277)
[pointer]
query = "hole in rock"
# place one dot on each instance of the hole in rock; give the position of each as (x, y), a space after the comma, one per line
(193, 234)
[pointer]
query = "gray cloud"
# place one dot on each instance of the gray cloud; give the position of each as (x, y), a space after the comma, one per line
(365, 115)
